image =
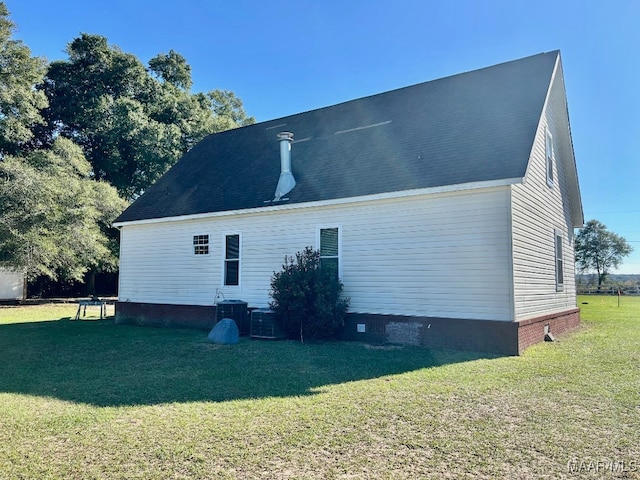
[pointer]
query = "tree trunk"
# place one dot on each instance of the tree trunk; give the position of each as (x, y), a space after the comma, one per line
(91, 283)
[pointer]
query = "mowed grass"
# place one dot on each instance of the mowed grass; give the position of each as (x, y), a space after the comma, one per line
(93, 400)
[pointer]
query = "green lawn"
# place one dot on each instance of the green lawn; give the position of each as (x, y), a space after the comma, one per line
(90, 399)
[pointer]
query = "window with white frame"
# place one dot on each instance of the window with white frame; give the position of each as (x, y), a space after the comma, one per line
(330, 250)
(559, 262)
(549, 157)
(201, 244)
(232, 260)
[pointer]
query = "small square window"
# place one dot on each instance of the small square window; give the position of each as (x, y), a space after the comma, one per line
(201, 244)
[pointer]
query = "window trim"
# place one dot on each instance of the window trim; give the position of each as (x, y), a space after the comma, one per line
(558, 255)
(206, 245)
(319, 229)
(549, 152)
(225, 259)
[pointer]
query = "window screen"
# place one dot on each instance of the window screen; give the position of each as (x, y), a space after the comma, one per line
(232, 260)
(549, 158)
(329, 250)
(559, 263)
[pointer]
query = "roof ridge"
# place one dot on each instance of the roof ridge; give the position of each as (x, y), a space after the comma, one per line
(446, 77)
(470, 127)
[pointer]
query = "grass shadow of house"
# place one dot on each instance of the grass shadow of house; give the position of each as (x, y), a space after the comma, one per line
(103, 364)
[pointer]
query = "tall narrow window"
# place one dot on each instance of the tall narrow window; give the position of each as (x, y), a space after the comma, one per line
(549, 157)
(232, 260)
(559, 263)
(329, 250)
(201, 244)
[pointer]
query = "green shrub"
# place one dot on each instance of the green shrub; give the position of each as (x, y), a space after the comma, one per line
(307, 297)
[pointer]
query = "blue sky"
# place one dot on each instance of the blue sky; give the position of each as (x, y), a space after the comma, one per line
(283, 57)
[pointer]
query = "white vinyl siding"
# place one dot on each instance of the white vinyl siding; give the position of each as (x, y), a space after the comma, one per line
(540, 210)
(12, 285)
(443, 255)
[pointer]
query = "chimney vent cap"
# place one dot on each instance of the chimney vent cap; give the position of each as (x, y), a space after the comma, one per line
(285, 136)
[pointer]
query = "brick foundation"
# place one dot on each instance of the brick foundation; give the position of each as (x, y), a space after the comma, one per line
(531, 331)
(508, 338)
(166, 315)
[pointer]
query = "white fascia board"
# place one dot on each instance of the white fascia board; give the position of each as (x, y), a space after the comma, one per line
(547, 99)
(338, 201)
(577, 212)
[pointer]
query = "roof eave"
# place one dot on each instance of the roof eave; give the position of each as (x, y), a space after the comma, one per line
(577, 214)
(322, 203)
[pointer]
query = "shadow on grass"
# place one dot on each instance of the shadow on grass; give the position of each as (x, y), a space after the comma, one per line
(100, 363)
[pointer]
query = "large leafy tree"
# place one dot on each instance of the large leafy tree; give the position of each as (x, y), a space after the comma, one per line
(55, 218)
(71, 133)
(172, 68)
(20, 102)
(132, 122)
(597, 249)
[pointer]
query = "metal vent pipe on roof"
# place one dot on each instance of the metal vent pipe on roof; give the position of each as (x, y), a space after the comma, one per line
(286, 182)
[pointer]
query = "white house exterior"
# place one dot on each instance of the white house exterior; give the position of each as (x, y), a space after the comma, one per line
(12, 286)
(542, 209)
(476, 254)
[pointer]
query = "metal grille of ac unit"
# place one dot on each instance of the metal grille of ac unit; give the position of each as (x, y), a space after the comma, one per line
(264, 325)
(235, 310)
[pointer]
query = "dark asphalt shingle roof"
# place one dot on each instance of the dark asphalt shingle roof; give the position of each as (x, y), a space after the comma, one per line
(471, 127)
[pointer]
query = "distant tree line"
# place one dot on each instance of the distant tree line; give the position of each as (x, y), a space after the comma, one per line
(80, 138)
